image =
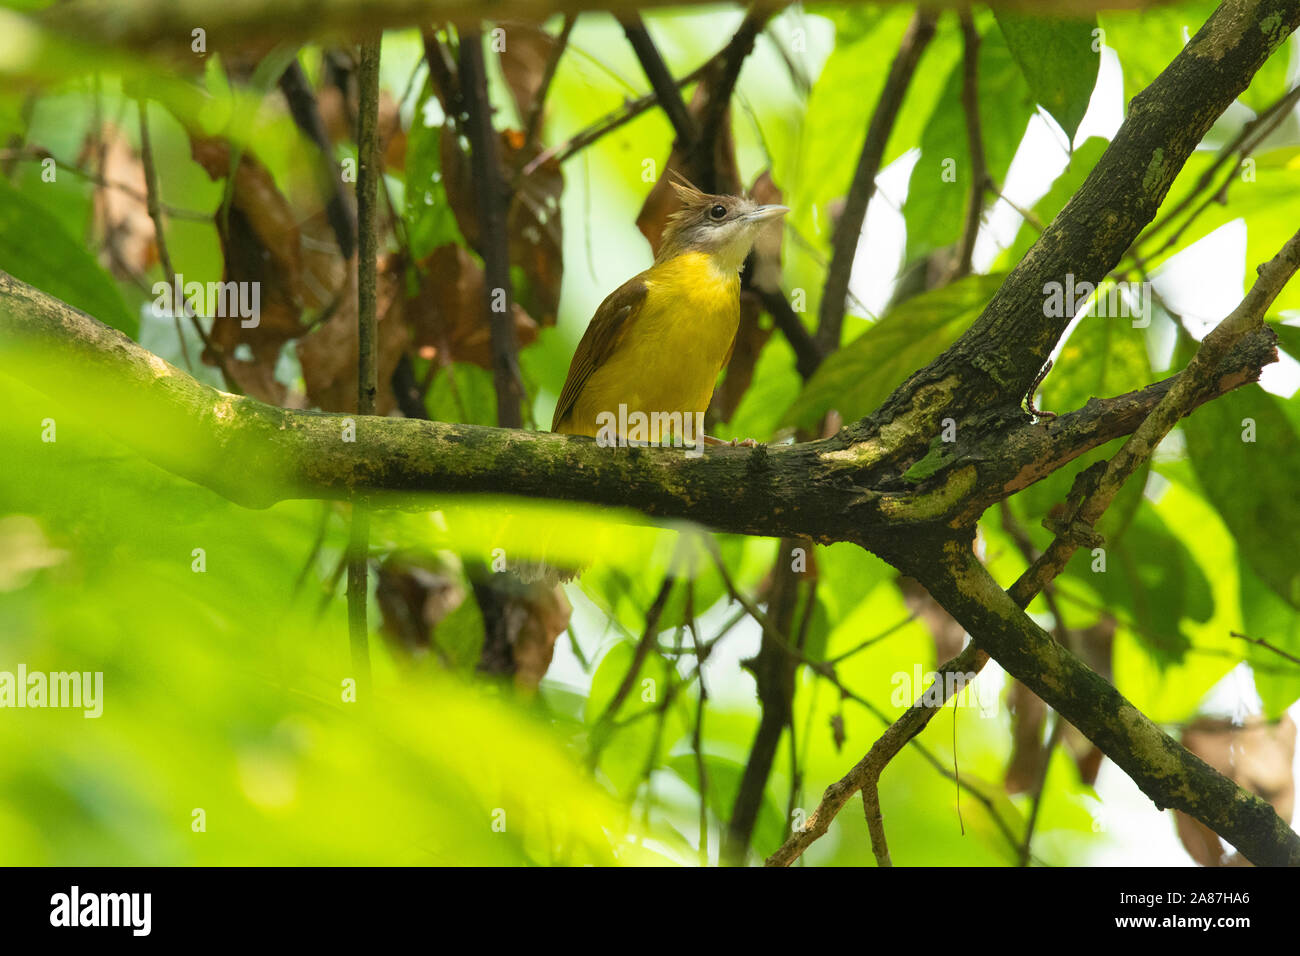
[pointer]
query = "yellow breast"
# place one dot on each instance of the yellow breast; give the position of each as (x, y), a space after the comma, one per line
(671, 356)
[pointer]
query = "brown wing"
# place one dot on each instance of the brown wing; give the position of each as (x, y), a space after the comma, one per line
(607, 328)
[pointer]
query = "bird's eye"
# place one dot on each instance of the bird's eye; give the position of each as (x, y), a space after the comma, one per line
(718, 212)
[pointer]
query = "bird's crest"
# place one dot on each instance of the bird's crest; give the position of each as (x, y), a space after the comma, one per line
(691, 197)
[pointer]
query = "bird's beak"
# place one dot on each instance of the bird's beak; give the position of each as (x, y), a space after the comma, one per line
(764, 213)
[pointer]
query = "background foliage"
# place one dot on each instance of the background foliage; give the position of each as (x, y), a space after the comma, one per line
(223, 688)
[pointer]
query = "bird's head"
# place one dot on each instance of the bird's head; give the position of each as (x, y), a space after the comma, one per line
(724, 227)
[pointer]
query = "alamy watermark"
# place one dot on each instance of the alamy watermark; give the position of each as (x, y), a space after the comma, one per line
(53, 689)
(934, 689)
(221, 300)
(678, 429)
(129, 910)
(1128, 300)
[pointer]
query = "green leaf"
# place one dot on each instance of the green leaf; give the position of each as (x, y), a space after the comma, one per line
(939, 189)
(1267, 617)
(1103, 356)
(1058, 59)
(427, 213)
(35, 248)
(723, 778)
(1288, 336)
(1252, 483)
(463, 393)
(857, 378)
(1265, 193)
(1146, 40)
(1154, 578)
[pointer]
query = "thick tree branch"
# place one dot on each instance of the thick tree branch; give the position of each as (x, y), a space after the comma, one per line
(256, 454)
(1190, 389)
(661, 81)
(1164, 770)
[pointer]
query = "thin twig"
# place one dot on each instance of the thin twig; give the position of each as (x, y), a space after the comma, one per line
(630, 110)
(1040, 786)
(306, 116)
(719, 88)
(39, 153)
(533, 122)
(1266, 645)
(603, 726)
(1185, 394)
(848, 230)
(661, 81)
(1241, 146)
(368, 173)
(160, 235)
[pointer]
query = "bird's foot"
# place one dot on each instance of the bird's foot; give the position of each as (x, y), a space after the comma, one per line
(732, 443)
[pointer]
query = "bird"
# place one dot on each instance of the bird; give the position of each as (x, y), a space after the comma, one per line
(657, 343)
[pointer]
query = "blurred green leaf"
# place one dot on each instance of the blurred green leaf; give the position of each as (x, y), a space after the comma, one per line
(723, 785)
(1267, 617)
(1263, 510)
(462, 392)
(939, 190)
(1147, 39)
(1155, 579)
(35, 248)
(857, 378)
(1288, 336)
(427, 213)
(1058, 60)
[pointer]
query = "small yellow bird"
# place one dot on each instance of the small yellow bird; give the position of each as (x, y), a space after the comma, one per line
(658, 342)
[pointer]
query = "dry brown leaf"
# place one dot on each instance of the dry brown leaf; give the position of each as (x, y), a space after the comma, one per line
(272, 220)
(414, 596)
(521, 622)
(1258, 757)
(122, 225)
(528, 49)
(328, 354)
(261, 243)
(446, 317)
(534, 224)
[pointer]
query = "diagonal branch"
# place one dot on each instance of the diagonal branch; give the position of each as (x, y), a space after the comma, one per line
(998, 358)
(1192, 387)
(661, 81)
(1188, 391)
